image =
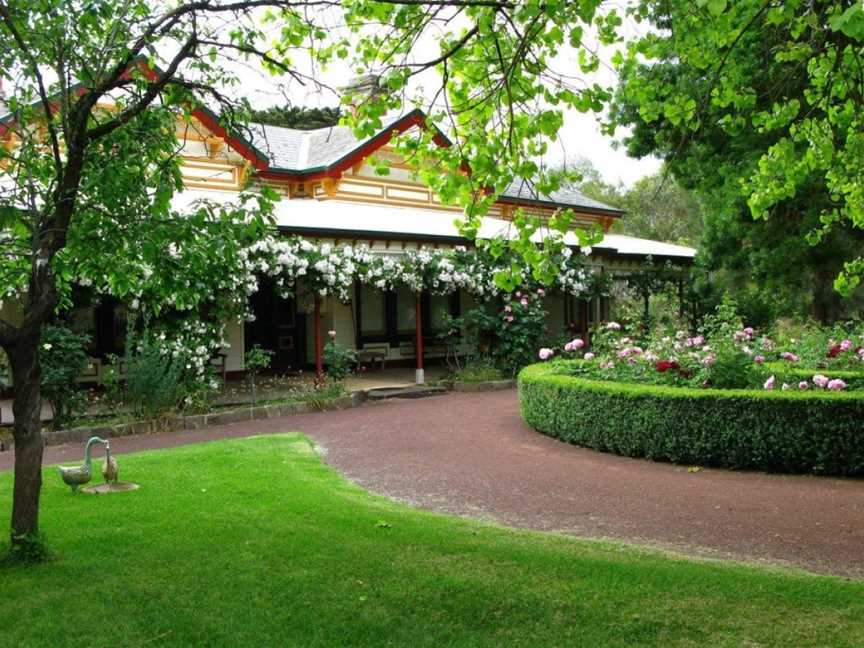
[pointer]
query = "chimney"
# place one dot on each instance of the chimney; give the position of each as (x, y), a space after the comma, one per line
(360, 89)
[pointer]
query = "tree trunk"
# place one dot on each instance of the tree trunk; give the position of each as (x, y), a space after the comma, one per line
(27, 432)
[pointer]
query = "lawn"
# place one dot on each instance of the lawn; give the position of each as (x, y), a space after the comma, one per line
(255, 542)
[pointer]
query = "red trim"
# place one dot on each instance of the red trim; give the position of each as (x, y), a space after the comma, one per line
(234, 142)
(415, 118)
(418, 316)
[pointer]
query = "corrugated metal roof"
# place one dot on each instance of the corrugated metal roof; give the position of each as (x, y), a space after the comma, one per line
(522, 189)
(346, 218)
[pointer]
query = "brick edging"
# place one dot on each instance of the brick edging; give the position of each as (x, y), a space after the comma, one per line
(485, 386)
(195, 422)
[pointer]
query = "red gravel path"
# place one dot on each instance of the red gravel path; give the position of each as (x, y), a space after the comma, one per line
(471, 454)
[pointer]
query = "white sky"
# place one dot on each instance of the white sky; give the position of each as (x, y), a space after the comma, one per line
(580, 136)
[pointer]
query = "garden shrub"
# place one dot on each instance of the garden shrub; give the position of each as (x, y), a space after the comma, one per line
(807, 431)
(256, 360)
(479, 370)
(338, 359)
(508, 332)
(62, 357)
(153, 380)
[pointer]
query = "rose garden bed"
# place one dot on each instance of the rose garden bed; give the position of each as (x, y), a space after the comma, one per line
(778, 431)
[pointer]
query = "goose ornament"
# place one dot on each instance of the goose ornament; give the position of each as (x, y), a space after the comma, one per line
(110, 470)
(75, 476)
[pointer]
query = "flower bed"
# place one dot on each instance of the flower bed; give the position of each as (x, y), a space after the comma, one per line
(818, 431)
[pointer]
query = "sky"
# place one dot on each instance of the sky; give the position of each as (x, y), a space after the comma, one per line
(580, 136)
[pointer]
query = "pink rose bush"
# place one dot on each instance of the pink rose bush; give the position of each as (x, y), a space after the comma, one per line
(721, 358)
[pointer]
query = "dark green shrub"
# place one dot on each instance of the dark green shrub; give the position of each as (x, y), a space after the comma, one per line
(338, 359)
(776, 431)
(153, 380)
(62, 357)
(732, 369)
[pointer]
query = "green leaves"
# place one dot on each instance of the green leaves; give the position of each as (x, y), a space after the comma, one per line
(850, 22)
(756, 105)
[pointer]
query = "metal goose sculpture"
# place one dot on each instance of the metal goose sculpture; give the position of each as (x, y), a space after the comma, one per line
(110, 469)
(76, 476)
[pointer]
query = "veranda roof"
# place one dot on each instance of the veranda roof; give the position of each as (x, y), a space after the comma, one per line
(349, 220)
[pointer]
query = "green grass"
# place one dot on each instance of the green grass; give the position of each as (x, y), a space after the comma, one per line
(255, 542)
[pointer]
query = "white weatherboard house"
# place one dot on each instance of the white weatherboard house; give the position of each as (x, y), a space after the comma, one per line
(329, 192)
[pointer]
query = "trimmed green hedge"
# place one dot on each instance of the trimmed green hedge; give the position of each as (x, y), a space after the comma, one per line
(812, 431)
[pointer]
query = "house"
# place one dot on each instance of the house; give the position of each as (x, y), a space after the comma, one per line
(330, 192)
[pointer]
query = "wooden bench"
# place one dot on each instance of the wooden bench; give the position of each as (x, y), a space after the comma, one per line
(372, 355)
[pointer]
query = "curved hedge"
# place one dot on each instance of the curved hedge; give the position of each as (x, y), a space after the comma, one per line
(812, 431)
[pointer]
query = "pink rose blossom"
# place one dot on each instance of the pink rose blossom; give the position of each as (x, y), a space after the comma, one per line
(836, 385)
(541, 292)
(545, 353)
(769, 384)
(791, 357)
(820, 381)
(743, 335)
(629, 351)
(613, 326)
(589, 356)
(523, 301)
(845, 345)
(332, 334)
(508, 308)
(509, 318)
(759, 359)
(573, 345)
(518, 293)
(803, 385)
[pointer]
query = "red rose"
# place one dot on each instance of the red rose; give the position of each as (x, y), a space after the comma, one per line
(665, 365)
(834, 351)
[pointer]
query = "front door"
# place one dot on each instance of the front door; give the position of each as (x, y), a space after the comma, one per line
(277, 327)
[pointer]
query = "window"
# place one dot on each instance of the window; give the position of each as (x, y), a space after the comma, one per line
(392, 316)
(373, 319)
(577, 313)
(118, 330)
(439, 306)
(82, 320)
(406, 310)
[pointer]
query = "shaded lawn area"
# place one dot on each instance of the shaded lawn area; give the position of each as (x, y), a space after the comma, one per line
(256, 542)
